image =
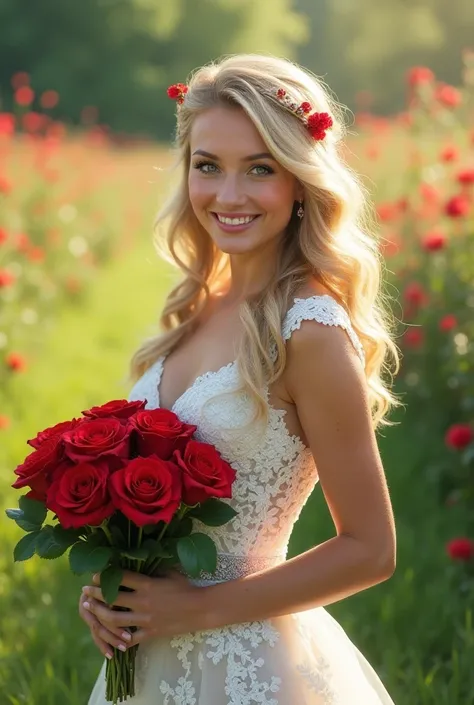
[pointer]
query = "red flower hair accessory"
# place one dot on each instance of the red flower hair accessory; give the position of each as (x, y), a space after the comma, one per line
(177, 92)
(316, 123)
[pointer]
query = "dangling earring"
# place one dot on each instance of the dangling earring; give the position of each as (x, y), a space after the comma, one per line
(300, 211)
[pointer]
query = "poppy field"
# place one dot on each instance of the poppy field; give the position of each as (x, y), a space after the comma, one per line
(81, 286)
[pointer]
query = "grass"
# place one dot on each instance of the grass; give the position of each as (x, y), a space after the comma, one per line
(416, 628)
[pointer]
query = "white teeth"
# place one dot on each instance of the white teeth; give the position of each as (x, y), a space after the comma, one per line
(236, 221)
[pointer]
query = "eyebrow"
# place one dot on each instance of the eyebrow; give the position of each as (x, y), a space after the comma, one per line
(250, 158)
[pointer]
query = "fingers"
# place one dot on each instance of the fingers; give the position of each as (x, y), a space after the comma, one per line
(124, 599)
(115, 619)
(104, 638)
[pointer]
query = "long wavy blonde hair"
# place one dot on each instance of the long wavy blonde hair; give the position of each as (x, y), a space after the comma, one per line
(332, 244)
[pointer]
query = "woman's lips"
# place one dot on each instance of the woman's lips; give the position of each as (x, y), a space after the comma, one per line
(234, 228)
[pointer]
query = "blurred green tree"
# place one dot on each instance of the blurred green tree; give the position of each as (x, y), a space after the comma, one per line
(119, 55)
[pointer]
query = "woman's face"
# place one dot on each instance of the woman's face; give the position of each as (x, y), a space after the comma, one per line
(239, 193)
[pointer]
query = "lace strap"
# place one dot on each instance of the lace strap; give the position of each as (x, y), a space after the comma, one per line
(323, 309)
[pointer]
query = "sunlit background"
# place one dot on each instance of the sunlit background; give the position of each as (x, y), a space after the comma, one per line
(84, 131)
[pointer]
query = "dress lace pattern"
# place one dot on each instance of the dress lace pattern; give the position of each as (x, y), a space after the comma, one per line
(275, 474)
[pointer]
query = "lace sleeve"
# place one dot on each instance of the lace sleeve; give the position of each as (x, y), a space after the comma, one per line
(323, 309)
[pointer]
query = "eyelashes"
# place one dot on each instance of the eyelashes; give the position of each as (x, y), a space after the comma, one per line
(199, 166)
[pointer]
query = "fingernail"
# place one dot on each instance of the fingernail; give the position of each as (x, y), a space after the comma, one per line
(122, 647)
(127, 636)
(86, 605)
(109, 655)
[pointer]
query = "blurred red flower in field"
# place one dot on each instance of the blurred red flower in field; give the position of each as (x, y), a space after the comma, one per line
(449, 153)
(4, 422)
(429, 193)
(15, 362)
(24, 95)
(415, 294)
(22, 242)
(387, 211)
(414, 337)
(418, 75)
(5, 185)
(459, 436)
(3, 236)
(390, 245)
(7, 124)
(33, 122)
(49, 99)
(460, 549)
(6, 278)
(448, 322)
(20, 78)
(466, 177)
(447, 95)
(457, 206)
(35, 254)
(434, 240)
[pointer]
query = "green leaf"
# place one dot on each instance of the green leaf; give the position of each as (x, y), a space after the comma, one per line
(33, 510)
(207, 552)
(110, 580)
(155, 549)
(25, 547)
(53, 541)
(213, 512)
(197, 552)
(18, 516)
(188, 556)
(14, 513)
(136, 554)
(87, 558)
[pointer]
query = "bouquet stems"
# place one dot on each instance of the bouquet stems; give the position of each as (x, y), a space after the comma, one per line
(120, 675)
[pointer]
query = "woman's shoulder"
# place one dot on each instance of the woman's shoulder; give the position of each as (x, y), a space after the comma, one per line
(315, 302)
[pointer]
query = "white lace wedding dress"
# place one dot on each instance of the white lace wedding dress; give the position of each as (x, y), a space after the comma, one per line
(298, 659)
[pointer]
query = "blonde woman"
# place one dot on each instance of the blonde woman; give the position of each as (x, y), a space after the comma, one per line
(275, 341)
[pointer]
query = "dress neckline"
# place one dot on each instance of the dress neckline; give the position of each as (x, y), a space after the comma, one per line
(205, 375)
(212, 373)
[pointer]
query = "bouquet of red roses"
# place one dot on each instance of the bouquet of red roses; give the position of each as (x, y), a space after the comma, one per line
(124, 485)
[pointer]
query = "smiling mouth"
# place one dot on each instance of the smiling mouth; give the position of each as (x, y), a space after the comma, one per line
(235, 221)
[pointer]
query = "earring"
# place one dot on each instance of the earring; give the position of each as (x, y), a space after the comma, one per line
(300, 211)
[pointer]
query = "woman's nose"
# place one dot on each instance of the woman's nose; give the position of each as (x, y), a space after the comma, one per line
(230, 192)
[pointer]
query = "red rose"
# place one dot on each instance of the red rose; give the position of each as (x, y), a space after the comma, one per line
(117, 409)
(38, 467)
(460, 549)
(147, 490)
(52, 431)
(205, 473)
(79, 495)
(160, 432)
(459, 436)
(95, 438)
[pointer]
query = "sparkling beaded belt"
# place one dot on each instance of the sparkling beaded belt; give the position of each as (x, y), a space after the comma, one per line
(231, 567)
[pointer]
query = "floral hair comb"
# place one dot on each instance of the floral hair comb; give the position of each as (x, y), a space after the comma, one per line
(316, 123)
(177, 92)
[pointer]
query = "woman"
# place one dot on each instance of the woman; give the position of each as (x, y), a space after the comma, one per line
(273, 346)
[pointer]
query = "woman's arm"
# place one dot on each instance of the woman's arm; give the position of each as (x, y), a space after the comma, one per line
(327, 384)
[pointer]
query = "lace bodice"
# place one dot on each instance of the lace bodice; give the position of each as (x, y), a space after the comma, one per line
(276, 472)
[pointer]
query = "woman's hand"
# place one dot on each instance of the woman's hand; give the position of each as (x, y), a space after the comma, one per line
(158, 607)
(103, 638)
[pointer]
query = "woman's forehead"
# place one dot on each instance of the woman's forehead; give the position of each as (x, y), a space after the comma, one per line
(228, 130)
